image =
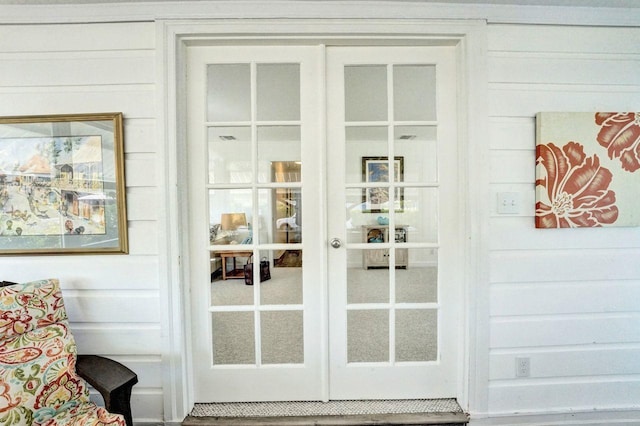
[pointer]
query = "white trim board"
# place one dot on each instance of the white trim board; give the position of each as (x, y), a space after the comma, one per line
(591, 418)
(360, 9)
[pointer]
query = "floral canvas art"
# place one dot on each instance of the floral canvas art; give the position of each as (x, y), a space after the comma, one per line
(587, 169)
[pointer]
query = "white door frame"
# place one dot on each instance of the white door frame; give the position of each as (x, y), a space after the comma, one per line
(469, 37)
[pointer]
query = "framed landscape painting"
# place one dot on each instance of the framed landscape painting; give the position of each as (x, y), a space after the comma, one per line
(587, 169)
(62, 185)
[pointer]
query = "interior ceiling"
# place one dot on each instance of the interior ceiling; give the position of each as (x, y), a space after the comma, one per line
(572, 3)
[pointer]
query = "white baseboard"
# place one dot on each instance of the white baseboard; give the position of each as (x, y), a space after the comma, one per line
(612, 417)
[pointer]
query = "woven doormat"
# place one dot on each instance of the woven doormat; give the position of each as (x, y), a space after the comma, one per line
(331, 408)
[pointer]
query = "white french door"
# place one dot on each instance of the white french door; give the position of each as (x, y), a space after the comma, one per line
(393, 284)
(254, 193)
(334, 166)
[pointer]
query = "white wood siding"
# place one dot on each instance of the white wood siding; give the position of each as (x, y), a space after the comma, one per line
(113, 301)
(568, 299)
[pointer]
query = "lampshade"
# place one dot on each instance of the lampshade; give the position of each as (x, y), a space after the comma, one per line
(232, 221)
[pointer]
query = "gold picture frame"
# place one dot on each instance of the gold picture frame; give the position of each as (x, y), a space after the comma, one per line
(62, 188)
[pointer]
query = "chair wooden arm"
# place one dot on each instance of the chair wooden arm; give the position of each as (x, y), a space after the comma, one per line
(112, 379)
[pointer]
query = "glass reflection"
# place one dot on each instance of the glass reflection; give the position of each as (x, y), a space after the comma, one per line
(419, 281)
(228, 92)
(416, 335)
(285, 285)
(233, 338)
(367, 285)
(368, 336)
(365, 92)
(230, 216)
(282, 337)
(414, 92)
(278, 92)
(420, 214)
(418, 146)
(230, 154)
(279, 157)
(363, 142)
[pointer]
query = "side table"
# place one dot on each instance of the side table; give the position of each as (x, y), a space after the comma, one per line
(235, 272)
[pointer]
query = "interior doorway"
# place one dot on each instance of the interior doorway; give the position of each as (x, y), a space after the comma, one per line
(367, 139)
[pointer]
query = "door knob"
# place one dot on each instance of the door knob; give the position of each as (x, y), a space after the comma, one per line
(335, 243)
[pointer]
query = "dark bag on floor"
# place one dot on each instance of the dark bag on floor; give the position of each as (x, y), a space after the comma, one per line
(265, 273)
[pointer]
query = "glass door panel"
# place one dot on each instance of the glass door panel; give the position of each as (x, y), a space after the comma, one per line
(366, 93)
(252, 124)
(282, 337)
(416, 335)
(228, 92)
(418, 283)
(367, 335)
(233, 338)
(414, 89)
(420, 214)
(417, 144)
(228, 148)
(279, 154)
(362, 142)
(278, 92)
(271, 152)
(387, 110)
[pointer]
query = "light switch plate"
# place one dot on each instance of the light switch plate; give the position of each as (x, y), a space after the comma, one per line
(508, 202)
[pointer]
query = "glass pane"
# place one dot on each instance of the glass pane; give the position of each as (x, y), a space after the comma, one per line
(230, 216)
(233, 338)
(420, 214)
(285, 285)
(282, 337)
(361, 143)
(368, 336)
(286, 171)
(356, 216)
(365, 93)
(261, 231)
(228, 92)
(416, 335)
(227, 279)
(367, 285)
(279, 158)
(287, 215)
(278, 92)
(418, 283)
(230, 154)
(418, 147)
(414, 92)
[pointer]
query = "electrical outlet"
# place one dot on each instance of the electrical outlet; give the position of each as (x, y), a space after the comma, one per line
(523, 367)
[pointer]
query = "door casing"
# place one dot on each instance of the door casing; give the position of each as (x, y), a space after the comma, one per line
(469, 39)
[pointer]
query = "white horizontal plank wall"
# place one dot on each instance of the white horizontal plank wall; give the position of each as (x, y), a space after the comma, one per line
(113, 301)
(565, 299)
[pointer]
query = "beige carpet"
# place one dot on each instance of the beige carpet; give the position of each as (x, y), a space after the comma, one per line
(368, 330)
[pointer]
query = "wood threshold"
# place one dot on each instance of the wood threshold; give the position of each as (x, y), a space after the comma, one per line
(432, 419)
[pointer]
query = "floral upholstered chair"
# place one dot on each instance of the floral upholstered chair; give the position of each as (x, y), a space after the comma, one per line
(39, 369)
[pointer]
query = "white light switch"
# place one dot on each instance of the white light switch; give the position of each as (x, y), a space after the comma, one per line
(508, 202)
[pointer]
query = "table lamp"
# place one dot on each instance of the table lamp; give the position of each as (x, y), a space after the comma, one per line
(230, 222)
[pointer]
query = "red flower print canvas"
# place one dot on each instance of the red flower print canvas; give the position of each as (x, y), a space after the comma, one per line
(587, 170)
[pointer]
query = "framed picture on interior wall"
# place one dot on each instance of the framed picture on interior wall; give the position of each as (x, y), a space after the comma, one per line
(62, 187)
(376, 169)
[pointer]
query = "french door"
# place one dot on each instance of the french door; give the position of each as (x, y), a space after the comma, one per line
(322, 222)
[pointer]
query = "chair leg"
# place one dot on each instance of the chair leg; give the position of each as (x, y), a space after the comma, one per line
(119, 402)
